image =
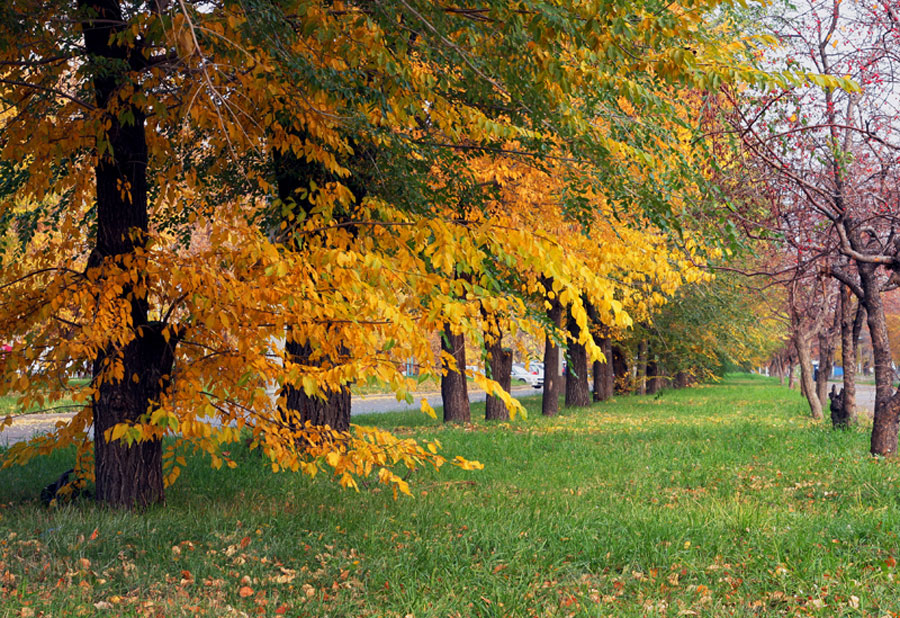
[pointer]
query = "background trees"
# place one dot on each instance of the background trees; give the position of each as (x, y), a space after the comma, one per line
(832, 156)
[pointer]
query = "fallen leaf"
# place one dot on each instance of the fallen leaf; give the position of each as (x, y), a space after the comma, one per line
(245, 591)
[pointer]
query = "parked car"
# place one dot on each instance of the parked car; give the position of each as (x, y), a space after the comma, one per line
(533, 375)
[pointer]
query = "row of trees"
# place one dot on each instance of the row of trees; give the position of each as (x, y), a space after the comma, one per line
(707, 328)
(821, 194)
(203, 200)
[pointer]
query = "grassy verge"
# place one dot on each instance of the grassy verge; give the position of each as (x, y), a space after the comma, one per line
(715, 501)
(9, 403)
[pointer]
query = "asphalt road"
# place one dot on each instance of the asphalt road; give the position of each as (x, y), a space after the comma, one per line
(25, 427)
(374, 404)
(865, 397)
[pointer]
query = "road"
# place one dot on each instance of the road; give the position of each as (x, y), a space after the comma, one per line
(374, 404)
(27, 426)
(865, 398)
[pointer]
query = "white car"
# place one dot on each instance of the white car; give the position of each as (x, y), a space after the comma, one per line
(534, 375)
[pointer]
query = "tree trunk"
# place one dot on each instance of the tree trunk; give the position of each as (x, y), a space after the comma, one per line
(621, 374)
(609, 376)
(826, 357)
(776, 367)
(578, 392)
(552, 379)
(642, 367)
(792, 382)
(500, 367)
(332, 408)
(807, 385)
(653, 379)
(848, 354)
(826, 365)
(887, 405)
(126, 475)
(603, 375)
(454, 389)
(131, 475)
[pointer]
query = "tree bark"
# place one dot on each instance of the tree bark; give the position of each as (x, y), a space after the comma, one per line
(454, 389)
(826, 357)
(603, 375)
(807, 385)
(653, 379)
(500, 367)
(642, 367)
(552, 379)
(621, 374)
(609, 375)
(126, 475)
(131, 475)
(331, 408)
(848, 354)
(887, 404)
(578, 392)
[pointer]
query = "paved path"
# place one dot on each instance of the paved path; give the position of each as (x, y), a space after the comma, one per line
(865, 397)
(27, 426)
(374, 404)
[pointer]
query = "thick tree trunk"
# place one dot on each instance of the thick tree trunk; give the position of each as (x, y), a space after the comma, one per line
(331, 408)
(500, 367)
(126, 475)
(552, 379)
(454, 389)
(807, 385)
(578, 392)
(848, 354)
(887, 404)
(131, 475)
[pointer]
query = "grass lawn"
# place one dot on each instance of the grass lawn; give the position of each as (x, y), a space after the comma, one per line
(9, 403)
(714, 501)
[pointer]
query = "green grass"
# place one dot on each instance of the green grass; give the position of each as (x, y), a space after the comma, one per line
(9, 403)
(714, 501)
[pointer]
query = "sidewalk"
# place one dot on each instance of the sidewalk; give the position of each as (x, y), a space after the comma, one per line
(27, 426)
